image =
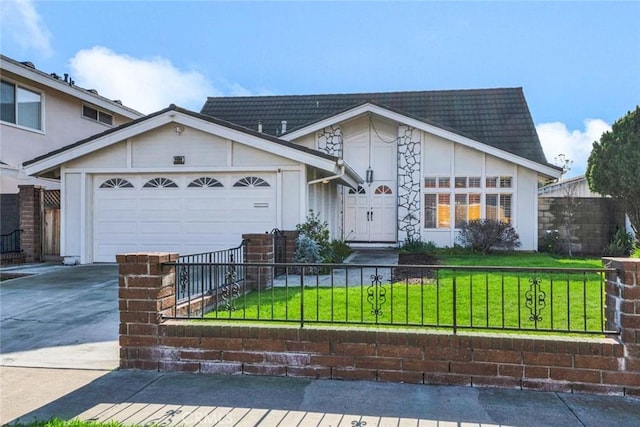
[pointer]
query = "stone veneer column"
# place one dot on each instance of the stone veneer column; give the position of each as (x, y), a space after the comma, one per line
(623, 314)
(31, 221)
(258, 248)
(146, 292)
(409, 180)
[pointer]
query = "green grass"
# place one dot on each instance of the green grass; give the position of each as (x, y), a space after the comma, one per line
(484, 300)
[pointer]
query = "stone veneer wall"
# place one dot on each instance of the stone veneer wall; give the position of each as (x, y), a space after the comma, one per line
(567, 364)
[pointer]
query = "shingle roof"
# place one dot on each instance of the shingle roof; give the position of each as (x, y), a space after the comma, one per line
(497, 117)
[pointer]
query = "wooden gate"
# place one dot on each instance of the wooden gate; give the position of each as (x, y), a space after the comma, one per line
(51, 241)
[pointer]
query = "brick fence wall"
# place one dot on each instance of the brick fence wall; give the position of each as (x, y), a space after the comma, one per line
(605, 365)
(31, 221)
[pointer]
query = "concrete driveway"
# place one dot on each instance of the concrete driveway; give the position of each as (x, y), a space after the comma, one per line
(60, 316)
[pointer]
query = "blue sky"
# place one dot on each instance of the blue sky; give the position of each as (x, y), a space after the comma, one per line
(578, 62)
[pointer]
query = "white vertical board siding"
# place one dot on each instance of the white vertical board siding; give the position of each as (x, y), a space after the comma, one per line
(71, 220)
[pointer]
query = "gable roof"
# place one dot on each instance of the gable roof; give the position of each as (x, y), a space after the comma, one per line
(174, 114)
(28, 71)
(496, 117)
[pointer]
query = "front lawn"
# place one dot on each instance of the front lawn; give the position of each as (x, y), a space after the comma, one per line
(501, 300)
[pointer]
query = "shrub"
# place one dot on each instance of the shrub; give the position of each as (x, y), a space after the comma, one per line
(621, 244)
(417, 246)
(307, 252)
(339, 251)
(550, 242)
(318, 231)
(483, 235)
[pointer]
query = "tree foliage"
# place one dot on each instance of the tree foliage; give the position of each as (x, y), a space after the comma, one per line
(613, 167)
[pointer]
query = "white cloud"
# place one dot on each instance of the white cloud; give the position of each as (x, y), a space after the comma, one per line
(576, 145)
(146, 85)
(22, 24)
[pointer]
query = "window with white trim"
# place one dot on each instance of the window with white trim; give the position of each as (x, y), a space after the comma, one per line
(441, 201)
(20, 106)
(93, 113)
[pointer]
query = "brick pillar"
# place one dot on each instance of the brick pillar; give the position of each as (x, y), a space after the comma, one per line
(31, 221)
(623, 314)
(258, 248)
(146, 292)
(292, 239)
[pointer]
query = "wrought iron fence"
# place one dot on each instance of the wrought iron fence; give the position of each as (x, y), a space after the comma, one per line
(10, 243)
(448, 297)
(204, 273)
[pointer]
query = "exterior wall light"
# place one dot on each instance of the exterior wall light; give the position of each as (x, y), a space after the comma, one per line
(178, 160)
(369, 176)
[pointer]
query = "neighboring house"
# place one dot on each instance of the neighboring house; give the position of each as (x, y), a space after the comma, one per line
(41, 112)
(379, 168)
(573, 187)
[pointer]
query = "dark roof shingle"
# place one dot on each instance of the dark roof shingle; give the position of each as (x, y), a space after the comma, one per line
(497, 117)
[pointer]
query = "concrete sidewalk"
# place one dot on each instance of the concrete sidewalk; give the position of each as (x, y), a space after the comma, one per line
(137, 397)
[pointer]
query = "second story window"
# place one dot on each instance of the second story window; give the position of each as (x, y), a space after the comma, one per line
(20, 106)
(97, 115)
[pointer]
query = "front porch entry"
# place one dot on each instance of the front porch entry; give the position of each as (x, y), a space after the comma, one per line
(370, 214)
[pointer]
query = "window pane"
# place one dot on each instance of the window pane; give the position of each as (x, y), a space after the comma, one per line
(90, 113)
(475, 209)
(28, 108)
(461, 182)
(492, 206)
(444, 211)
(444, 182)
(505, 182)
(461, 210)
(430, 183)
(105, 118)
(491, 182)
(8, 102)
(474, 182)
(505, 208)
(430, 211)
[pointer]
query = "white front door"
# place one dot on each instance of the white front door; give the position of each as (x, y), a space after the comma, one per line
(370, 213)
(370, 210)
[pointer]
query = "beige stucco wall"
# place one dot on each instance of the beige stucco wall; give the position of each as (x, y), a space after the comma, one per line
(62, 120)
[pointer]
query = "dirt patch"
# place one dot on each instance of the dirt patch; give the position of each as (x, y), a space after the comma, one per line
(414, 274)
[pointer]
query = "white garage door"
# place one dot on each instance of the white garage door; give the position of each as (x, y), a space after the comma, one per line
(184, 214)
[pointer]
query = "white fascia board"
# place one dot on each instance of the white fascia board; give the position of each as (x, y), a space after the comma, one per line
(76, 92)
(426, 127)
(96, 144)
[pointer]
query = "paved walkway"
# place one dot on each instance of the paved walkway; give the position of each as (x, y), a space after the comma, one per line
(172, 399)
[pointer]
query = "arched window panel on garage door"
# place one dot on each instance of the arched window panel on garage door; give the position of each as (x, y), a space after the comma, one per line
(205, 182)
(160, 183)
(359, 190)
(116, 183)
(251, 181)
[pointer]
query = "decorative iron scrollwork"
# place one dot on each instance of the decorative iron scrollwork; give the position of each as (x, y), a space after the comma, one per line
(535, 299)
(376, 294)
(230, 290)
(184, 279)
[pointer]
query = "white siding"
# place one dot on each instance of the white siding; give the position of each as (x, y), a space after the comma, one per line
(71, 222)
